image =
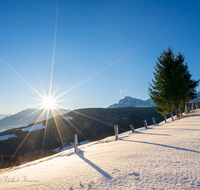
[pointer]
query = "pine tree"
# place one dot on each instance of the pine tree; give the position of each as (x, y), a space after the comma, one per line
(172, 85)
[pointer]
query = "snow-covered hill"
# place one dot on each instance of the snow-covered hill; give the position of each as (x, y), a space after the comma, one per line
(162, 157)
(133, 102)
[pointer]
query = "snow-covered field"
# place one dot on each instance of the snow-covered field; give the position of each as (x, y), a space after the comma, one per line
(4, 137)
(163, 157)
(35, 127)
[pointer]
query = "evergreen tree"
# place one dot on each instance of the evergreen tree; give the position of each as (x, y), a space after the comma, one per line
(172, 85)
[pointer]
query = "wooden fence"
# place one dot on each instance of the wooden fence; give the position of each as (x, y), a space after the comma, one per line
(191, 106)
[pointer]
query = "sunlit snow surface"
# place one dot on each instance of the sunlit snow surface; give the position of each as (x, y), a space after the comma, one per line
(36, 127)
(163, 157)
(4, 137)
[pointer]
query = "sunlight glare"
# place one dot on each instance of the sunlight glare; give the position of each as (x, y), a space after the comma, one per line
(49, 103)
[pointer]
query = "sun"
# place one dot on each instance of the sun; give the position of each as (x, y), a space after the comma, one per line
(49, 103)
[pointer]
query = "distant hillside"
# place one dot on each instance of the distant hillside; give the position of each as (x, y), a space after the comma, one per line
(24, 118)
(133, 102)
(90, 124)
(4, 115)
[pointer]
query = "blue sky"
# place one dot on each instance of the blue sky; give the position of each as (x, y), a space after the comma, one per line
(111, 45)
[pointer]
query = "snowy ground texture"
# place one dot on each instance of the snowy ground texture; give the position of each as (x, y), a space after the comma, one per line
(163, 157)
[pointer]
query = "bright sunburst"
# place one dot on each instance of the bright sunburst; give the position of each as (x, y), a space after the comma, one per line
(49, 103)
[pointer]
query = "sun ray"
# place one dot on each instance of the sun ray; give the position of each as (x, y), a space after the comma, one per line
(61, 83)
(28, 115)
(71, 124)
(100, 71)
(22, 78)
(54, 50)
(58, 130)
(45, 130)
(123, 56)
(24, 139)
(95, 119)
(85, 115)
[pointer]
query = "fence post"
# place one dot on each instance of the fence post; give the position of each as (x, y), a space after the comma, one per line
(116, 132)
(145, 124)
(132, 128)
(172, 116)
(165, 119)
(75, 143)
(154, 121)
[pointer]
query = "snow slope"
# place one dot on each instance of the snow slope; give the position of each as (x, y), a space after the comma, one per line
(133, 102)
(166, 156)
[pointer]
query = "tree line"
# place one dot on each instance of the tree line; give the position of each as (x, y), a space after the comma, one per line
(172, 86)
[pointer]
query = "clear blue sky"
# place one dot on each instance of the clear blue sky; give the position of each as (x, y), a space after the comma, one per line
(117, 39)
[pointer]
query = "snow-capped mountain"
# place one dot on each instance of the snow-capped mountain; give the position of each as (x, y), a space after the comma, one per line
(133, 102)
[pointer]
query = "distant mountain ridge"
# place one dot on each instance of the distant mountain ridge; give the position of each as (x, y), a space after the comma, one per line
(4, 115)
(26, 117)
(133, 102)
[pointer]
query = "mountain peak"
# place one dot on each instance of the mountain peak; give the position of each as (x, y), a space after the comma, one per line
(128, 101)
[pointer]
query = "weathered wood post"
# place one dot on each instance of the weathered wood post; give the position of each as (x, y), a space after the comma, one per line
(145, 124)
(116, 132)
(75, 143)
(154, 121)
(165, 119)
(172, 116)
(132, 128)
